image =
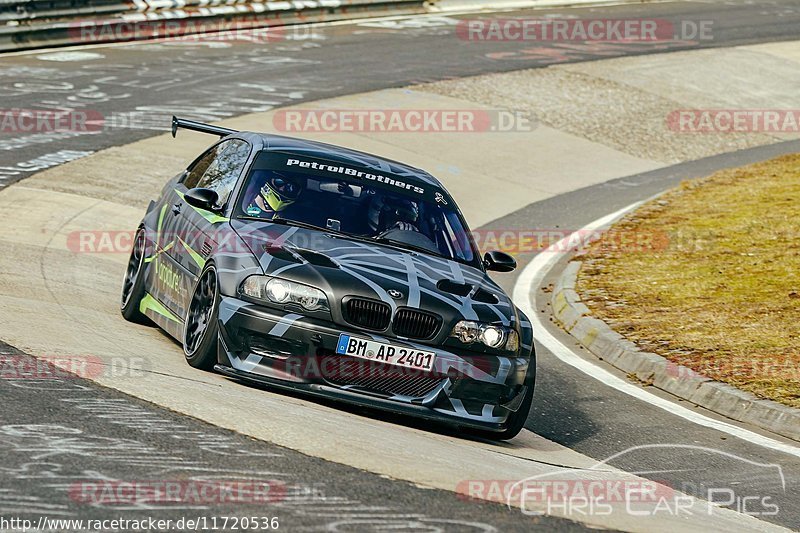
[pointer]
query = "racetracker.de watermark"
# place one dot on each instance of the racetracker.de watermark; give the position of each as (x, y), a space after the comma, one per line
(82, 121)
(243, 29)
(370, 366)
(523, 241)
(173, 491)
(512, 241)
(19, 120)
(734, 121)
(555, 29)
(586, 497)
(56, 367)
(779, 367)
(401, 121)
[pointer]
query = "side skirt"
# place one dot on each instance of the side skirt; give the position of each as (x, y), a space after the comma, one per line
(163, 317)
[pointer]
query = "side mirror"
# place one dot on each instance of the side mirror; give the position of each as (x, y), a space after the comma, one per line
(202, 198)
(499, 261)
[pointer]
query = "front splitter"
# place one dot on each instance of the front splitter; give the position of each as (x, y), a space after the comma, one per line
(353, 398)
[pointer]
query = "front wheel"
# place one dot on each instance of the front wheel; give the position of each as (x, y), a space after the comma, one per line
(133, 284)
(516, 420)
(201, 326)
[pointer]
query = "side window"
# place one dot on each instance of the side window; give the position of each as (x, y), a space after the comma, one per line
(227, 166)
(196, 172)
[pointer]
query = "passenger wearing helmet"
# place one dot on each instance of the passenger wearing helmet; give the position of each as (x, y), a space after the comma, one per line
(276, 194)
(387, 213)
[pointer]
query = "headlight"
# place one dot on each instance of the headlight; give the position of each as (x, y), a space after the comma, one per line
(467, 332)
(490, 335)
(281, 291)
(278, 290)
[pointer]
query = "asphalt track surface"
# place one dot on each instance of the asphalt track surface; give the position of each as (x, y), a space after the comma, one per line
(146, 83)
(209, 83)
(76, 450)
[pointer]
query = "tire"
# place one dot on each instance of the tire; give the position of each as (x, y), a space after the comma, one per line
(133, 283)
(516, 421)
(201, 327)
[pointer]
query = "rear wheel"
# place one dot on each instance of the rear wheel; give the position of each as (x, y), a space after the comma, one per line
(201, 327)
(133, 284)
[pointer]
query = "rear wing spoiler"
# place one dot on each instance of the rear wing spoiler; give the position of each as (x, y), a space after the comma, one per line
(199, 126)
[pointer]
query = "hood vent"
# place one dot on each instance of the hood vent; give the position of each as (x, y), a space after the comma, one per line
(465, 289)
(461, 289)
(279, 252)
(316, 258)
(300, 255)
(485, 296)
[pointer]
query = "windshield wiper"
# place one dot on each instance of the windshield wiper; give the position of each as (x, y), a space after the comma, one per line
(305, 225)
(405, 245)
(382, 240)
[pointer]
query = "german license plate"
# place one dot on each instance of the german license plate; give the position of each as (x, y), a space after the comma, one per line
(385, 353)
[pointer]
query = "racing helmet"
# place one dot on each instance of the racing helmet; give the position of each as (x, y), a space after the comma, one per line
(280, 191)
(385, 212)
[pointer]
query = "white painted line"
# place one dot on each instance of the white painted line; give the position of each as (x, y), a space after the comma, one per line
(531, 278)
(70, 56)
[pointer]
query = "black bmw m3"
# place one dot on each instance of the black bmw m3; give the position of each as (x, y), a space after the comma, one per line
(303, 265)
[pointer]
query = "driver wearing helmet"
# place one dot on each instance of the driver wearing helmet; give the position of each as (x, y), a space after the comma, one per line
(387, 213)
(276, 194)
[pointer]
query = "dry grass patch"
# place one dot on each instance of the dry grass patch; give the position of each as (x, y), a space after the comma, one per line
(720, 290)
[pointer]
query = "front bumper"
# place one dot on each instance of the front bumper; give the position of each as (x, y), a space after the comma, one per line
(293, 351)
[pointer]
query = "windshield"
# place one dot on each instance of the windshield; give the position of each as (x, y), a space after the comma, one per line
(352, 207)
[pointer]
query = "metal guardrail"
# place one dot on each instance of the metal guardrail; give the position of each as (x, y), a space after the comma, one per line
(27, 24)
(23, 11)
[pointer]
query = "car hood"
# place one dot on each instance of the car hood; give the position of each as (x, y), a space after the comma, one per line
(345, 267)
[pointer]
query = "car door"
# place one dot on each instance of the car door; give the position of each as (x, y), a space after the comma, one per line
(196, 229)
(170, 283)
